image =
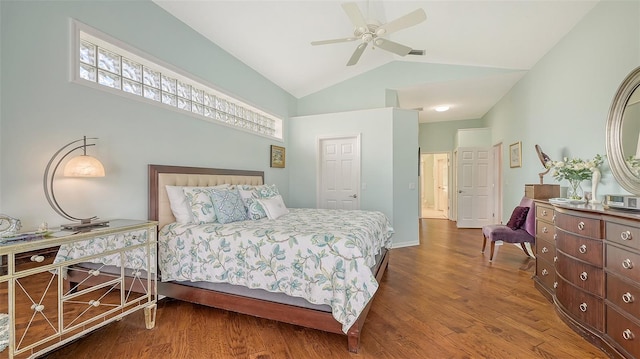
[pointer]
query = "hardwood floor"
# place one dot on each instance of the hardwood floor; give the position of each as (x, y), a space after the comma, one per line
(442, 299)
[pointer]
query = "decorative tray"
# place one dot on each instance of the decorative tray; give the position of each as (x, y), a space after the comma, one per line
(24, 236)
(566, 201)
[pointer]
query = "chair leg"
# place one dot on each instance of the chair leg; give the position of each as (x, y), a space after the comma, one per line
(526, 251)
(493, 247)
(484, 244)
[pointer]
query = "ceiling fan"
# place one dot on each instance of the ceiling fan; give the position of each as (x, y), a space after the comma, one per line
(374, 33)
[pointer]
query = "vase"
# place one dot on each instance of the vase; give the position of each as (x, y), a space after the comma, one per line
(595, 179)
(575, 190)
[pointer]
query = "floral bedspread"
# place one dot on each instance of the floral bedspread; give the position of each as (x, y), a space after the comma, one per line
(321, 255)
(135, 258)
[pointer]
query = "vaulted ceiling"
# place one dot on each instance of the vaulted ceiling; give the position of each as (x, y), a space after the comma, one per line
(274, 38)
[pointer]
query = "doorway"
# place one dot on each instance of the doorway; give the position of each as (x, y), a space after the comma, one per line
(434, 185)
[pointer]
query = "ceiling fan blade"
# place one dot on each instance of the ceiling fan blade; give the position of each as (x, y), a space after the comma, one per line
(354, 14)
(391, 46)
(413, 18)
(333, 41)
(356, 54)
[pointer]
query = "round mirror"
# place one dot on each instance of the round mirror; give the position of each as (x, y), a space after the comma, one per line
(623, 134)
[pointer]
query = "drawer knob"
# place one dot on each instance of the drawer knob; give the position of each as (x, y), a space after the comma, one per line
(555, 285)
(545, 272)
(582, 249)
(94, 272)
(95, 303)
(545, 230)
(627, 298)
(581, 226)
(37, 307)
(37, 258)
(544, 212)
(626, 236)
(555, 259)
(553, 219)
(627, 334)
(627, 264)
(583, 307)
(555, 236)
(545, 250)
(584, 276)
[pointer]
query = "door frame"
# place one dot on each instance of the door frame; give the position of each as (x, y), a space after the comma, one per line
(497, 182)
(319, 158)
(450, 181)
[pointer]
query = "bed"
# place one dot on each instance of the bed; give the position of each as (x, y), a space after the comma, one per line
(262, 286)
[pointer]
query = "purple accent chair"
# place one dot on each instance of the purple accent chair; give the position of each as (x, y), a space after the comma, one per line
(523, 235)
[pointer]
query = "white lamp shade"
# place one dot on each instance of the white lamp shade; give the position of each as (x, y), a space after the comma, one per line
(84, 166)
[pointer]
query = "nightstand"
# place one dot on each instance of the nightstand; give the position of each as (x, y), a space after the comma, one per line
(106, 274)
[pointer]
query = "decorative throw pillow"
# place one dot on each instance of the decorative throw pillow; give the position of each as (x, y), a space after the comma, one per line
(180, 204)
(228, 205)
(518, 217)
(201, 204)
(274, 206)
(266, 191)
(253, 208)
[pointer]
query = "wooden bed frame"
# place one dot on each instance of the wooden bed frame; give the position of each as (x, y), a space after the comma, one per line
(159, 210)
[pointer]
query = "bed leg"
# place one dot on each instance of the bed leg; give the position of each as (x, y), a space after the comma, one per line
(353, 341)
(150, 316)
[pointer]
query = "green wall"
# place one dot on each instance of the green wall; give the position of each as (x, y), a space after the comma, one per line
(42, 110)
(563, 102)
(389, 160)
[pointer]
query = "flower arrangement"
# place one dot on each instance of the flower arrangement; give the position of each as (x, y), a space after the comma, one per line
(574, 170)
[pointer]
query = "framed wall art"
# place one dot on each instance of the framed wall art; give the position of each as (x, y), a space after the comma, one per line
(277, 156)
(515, 155)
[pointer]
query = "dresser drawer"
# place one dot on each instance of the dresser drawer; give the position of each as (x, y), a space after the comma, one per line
(624, 294)
(624, 234)
(588, 250)
(545, 230)
(546, 273)
(587, 227)
(34, 259)
(623, 331)
(623, 262)
(583, 306)
(545, 250)
(545, 212)
(582, 275)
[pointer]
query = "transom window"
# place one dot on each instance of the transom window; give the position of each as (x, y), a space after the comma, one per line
(101, 62)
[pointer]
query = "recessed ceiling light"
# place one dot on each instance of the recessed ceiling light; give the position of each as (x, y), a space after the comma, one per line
(442, 108)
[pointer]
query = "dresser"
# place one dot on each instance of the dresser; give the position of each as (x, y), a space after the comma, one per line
(545, 277)
(596, 273)
(59, 288)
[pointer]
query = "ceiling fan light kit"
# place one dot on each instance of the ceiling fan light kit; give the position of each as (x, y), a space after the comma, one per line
(374, 32)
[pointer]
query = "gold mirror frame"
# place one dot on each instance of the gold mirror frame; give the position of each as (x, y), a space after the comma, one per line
(619, 168)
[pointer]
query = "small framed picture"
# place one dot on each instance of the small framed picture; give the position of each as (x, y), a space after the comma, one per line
(515, 155)
(277, 156)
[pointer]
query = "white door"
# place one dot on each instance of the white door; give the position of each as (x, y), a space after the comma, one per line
(339, 179)
(442, 183)
(475, 204)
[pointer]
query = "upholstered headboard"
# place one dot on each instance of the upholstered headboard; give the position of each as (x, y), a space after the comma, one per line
(161, 176)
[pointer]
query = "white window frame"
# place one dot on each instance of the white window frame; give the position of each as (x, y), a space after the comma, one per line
(246, 118)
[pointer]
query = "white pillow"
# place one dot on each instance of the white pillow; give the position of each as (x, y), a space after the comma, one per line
(273, 206)
(180, 206)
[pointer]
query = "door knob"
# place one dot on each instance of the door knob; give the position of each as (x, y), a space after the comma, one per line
(354, 196)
